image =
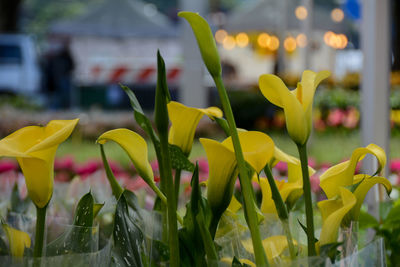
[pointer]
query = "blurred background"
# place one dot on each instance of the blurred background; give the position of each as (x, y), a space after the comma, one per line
(66, 58)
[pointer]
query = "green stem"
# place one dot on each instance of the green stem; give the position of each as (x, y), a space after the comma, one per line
(115, 186)
(39, 234)
(247, 189)
(308, 200)
(164, 200)
(177, 182)
(166, 175)
(281, 210)
(211, 252)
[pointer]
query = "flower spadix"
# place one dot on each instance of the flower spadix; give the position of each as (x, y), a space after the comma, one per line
(297, 104)
(333, 212)
(257, 149)
(136, 148)
(18, 240)
(184, 122)
(342, 174)
(35, 147)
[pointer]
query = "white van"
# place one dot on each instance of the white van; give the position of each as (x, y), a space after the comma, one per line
(19, 66)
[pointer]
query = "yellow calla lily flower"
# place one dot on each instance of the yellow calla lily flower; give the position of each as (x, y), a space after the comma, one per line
(333, 212)
(285, 189)
(257, 149)
(35, 147)
(274, 246)
(18, 240)
(136, 148)
(297, 104)
(184, 122)
(342, 174)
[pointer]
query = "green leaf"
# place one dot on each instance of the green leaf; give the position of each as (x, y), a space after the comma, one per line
(393, 216)
(3, 248)
(305, 229)
(78, 238)
(162, 98)
(19, 205)
(205, 41)
(178, 159)
(366, 220)
(330, 250)
(129, 239)
(139, 115)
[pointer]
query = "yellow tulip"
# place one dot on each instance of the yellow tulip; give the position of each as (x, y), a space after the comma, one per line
(35, 148)
(18, 240)
(136, 148)
(333, 212)
(342, 174)
(257, 149)
(297, 104)
(184, 122)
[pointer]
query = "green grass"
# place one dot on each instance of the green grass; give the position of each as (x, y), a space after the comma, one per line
(326, 147)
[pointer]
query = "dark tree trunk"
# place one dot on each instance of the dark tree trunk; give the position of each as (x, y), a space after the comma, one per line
(9, 14)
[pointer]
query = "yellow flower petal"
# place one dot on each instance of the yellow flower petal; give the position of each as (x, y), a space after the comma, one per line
(18, 240)
(332, 212)
(342, 174)
(184, 123)
(136, 148)
(258, 148)
(277, 93)
(285, 189)
(235, 205)
(297, 104)
(274, 246)
(294, 166)
(35, 148)
(222, 174)
(242, 261)
(367, 182)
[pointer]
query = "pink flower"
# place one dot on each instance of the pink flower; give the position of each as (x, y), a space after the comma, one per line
(281, 167)
(64, 163)
(351, 119)
(8, 165)
(314, 180)
(335, 117)
(88, 168)
(395, 165)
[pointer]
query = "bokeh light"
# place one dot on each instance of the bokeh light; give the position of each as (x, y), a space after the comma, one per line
(336, 41)
(242, 39)
(263, 40)
(220, 35)
(229, 42)
(289, 44)
(301, 40)
(301, 12)
(273, 43)
(337, 15)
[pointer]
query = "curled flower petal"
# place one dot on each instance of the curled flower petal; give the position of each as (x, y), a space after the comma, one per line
(342, 174)
(136, 148)
(184, 122)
